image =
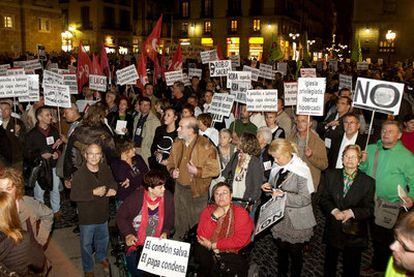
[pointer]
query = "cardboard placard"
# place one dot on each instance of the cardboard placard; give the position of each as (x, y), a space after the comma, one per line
(63, 71)
(255, 72)
(235, 61)
(238, 76)
(15, 71)
(173, 76)
(308, 72)
(33, 89)
(97, 82)
(261, 100)
(362, 66)
(52, 78)
(291, 93)
(56, 95)
(19, 64)
(32, 65)
(164, 257)
(3, 69)
(311, 92)
(222, 104)
(378, 95)
(345, 81)
(70, 80)
(219, 68)
(195, 72)
(282, 67)
(186, 80)
(240, 90)
(271, 212)
(208, 56)
(52, 66)
(13, 86)
(266, 71)
(127, 75)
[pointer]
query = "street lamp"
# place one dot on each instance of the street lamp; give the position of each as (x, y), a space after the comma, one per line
(390, 37)
(294, 36)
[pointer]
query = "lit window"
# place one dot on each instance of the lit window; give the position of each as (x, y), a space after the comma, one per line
(256, 25)
(234, 25)
(207, 26)
(8, 22)
(44, 24)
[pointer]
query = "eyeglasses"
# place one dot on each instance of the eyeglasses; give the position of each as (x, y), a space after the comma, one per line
(404, 247)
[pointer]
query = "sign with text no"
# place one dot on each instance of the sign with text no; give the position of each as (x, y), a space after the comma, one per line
(271, 212)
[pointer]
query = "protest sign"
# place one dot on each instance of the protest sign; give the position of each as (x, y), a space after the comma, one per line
(19, 64)
(13, 86)
(173, 76)
(362, 66)
(127, 75)
(261, 100)
(222, 104)
(266, 71)
(3, 68)
(238, 76)
(217, 118)
(56, 95)
(291, 93)
(311, 92)
(219, 68)
(208, 56)
(240, 90)
(345, 81)
(195, 72)
(63, 71)
(186, 80)
(333, 65)
(271, 212)
(235, 61)
(255, 72)
(15, 71)
(83, 105)
(378, 95)
(308, 72)
(33, 89)
(32, 65)
(70, 80)
(282, 67)
(52, 66)
(97, 82)
(164, 257)
(52, 78)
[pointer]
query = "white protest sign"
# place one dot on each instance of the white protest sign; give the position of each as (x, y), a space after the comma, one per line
(52, 66)
(266, 71)
(217, 118)
(291, 93)
(378, 95)
(255, 72)
(63, 71)
(195, 72)
(345, 81)
(311, 92)
(235, 61)
(164, 257)
(3, 68)
(32, 65)
(15, 71)
(261, 100)
(208, 56)
(222, 104)
(219, 68)
(13, 86)
(238, 76)
(97, 82)
(240, 90)
(56, 95)
(333, 65)
(282, 67)
(70, 80)
(33, 89)
(308, 72)
(20, 64)
(127, 75)
(185, 80)
(362, 66)
(271, 212)
(173, 76)
(52, 78)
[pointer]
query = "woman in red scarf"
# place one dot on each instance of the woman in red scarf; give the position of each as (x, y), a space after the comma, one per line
(149, 211)
(222, 231)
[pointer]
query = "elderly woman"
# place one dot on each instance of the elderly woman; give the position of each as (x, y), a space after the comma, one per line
(244, 172)
(225, 148)
(148, 211)
(264, 137)
(222, 231)
(128, 170)
(291, 177)
(347, 199)
(271, 122)
(30, 210)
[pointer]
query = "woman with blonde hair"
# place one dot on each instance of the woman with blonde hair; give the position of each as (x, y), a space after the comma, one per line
(16, 251)
(290, 177)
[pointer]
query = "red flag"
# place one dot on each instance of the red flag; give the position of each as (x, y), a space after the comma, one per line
(104, 62)
(219, 53)
(142, 70)
(96, 67)
(153, 40)
(84, 67)
(177, 61)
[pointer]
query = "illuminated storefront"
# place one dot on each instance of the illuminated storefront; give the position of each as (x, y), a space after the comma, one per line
(233, 46)
(207, 43)
(256, 48)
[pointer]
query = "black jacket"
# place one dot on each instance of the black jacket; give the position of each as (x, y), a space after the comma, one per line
(333, 152)
(360, 199)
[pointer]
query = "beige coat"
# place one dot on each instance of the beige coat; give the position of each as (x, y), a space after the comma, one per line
(148, 132)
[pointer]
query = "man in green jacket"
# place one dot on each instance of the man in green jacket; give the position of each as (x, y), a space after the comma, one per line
(390, 164)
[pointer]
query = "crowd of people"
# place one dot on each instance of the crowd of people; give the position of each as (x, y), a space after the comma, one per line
(167, 165)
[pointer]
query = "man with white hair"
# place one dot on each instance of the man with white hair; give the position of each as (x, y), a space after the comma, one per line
(264, 136)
